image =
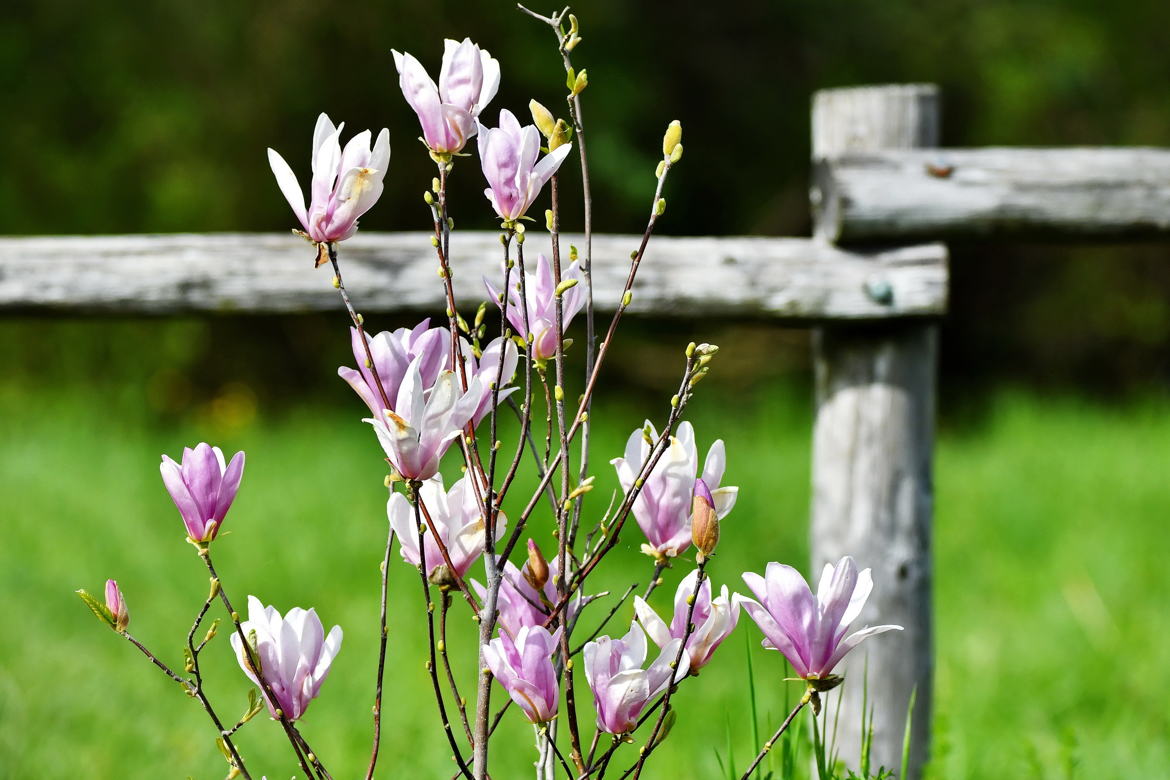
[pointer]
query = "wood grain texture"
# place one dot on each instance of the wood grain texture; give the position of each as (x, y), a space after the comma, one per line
(873, 443)
(796, 279)
(994, 193)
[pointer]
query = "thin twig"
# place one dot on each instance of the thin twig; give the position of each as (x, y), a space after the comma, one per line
(768, 745)
(444, 605)
(254, 664)
(432, 664)
(381, 657)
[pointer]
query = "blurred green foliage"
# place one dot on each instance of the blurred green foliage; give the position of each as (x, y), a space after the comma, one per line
(152, 115)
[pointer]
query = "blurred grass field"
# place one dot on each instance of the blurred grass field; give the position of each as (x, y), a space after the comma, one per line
(1050, 571)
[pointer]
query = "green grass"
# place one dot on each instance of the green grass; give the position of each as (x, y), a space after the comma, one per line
(1050, 570)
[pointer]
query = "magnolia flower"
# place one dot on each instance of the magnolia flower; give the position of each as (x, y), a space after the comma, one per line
(519, 605)
(540, 294)
(116, 604)
(524, 667)
(487, 367)
(621, 687)
(203, 488)
(713, 620)
(293, 651)
(809, 631)
(457, 517)
(422, 425)
(508, 155)
(468, 81)
(395, 351)
(393, 354)
(663, 506)
(345, 183)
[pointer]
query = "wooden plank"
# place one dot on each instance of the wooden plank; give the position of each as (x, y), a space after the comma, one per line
(873, 444)
(799, 279)
(994, 193)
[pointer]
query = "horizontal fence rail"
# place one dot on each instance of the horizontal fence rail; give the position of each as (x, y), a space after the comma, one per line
(993, 193)
(800, 279)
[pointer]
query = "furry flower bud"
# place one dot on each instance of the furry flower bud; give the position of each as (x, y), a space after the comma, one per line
(536, 573)
(704, 520)
(672, 138)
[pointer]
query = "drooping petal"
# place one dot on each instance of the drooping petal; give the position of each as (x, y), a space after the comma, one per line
(286, 180)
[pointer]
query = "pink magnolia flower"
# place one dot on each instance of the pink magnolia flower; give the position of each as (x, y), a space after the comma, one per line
(809, 631)
(346, 184)
(293, 651)
(519, 604)
(713, 620)
(486, 367)
(508, 155)
(393, 354)
(663, 507)
(524, 667)
(457, 517)
(395, 351)
(541, 298)
(116, 604)
(203, 488)
(468, 80)
(416, 434)
(621, 687)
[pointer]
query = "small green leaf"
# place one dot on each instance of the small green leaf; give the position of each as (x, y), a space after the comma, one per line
(99, 609)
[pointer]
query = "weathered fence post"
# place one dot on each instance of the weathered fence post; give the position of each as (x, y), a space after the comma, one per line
(872, 449)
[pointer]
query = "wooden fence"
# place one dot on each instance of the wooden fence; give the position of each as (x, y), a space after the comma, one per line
(877, 178)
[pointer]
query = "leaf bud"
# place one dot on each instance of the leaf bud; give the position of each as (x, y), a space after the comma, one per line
(676, 155)
(562, 132)
(660, 207)
(564, 286)
(548, 220)
(580, 82)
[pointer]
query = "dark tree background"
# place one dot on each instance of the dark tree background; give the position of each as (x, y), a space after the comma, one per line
(153, 115)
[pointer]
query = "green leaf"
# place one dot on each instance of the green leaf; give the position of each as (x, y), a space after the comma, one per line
(99, 609)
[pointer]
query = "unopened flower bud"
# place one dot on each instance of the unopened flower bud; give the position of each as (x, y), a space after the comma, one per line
(542, 118)
(441, 576)
(704, 521)
(536, 572)
(672, 138)
(116, 604)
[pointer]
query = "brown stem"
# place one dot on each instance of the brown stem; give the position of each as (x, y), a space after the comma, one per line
(254, 663)
(768, 745)
(444, 605)
(653, 740)
(432, 664)
(359, 323)
(381, 658)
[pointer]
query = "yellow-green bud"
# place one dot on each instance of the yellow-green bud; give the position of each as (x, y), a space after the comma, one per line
(660, 207)
(661, 169)
(566, 284)
(542, 118)
(429, 198)
(548, 220)
(561, 133)
(559, 393)
(672, 138)
(676, 155)
(580, 82)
